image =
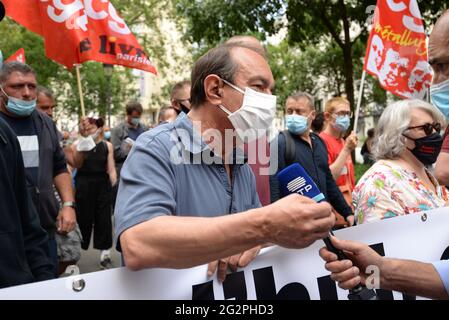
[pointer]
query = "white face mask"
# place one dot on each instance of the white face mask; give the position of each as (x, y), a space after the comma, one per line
(255, 116)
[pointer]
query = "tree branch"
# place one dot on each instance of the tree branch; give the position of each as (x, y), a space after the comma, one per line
(346, 26)
(330, 27)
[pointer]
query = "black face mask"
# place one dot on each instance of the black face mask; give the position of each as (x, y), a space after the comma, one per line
(427, 148)
(183, 109)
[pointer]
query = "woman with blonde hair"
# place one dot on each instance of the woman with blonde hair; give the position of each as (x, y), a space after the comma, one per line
(407, 140)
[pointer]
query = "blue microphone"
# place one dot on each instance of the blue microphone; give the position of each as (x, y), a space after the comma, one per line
(295, 179)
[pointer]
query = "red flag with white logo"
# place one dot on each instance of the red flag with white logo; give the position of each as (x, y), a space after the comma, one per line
(76, 31)
(397, 49)
(18, 56)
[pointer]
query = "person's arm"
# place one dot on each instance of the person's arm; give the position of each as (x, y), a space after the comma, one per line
(337, 200)
(442, 168)
(151, 236)
(413, 278)
(184, 242)
(111, 165)
(66, 220)
(410, 277)
(75, 158)
(117, 139)
(336, 166)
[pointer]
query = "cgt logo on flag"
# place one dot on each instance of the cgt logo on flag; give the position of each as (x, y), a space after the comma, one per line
(397, 49)
(76, 14)
(19, 56)
(87, 29)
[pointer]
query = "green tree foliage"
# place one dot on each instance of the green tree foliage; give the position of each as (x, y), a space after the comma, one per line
(325, 36)
(63, 82)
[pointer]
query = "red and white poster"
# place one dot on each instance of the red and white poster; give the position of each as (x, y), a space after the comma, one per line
(76, 31)
(19, 56)
(397, 49)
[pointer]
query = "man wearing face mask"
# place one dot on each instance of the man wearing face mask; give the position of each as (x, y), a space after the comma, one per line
(299, 145)
(180, 97)
(187, 197)
(43, 156)
(125, 134)
(337, 113)
(439, 91)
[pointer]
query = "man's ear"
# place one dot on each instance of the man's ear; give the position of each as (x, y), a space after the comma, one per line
(313, 115)
(213, 89)
(175, 104)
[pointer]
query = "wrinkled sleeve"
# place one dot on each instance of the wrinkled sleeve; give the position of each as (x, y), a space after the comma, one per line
(442, 268)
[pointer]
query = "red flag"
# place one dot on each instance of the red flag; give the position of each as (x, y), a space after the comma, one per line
(18, 56)
(397, 49)
(76, 31)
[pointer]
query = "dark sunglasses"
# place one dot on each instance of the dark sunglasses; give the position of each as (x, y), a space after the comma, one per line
(428, 128)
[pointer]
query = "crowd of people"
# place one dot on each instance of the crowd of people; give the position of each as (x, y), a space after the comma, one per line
(192, 191)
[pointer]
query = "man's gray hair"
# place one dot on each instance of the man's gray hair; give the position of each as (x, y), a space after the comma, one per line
(8, 68)
(389, 141)
(45, 91)
(303, 95)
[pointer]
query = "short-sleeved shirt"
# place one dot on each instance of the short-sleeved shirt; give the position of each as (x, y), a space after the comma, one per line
(29, 144)
(387, 190)
(334, 148)
(445, 147)
(172, 171)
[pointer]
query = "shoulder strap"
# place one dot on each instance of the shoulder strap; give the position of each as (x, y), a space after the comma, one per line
(289, 148)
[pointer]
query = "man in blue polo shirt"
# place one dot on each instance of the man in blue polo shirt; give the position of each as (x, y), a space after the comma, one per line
(186, 195)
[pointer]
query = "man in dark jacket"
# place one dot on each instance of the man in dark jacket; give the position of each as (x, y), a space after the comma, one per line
(24, 251)
(43, 157)
(124, 135)
(300, 145)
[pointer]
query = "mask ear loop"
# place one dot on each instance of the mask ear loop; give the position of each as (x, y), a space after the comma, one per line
(233, 86)
(405, 136)
(225, 110)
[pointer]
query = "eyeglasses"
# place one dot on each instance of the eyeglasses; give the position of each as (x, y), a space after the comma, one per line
(427, 128)
(344, 114)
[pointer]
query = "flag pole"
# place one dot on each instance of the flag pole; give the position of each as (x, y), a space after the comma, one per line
(359, 102)
(80, 90)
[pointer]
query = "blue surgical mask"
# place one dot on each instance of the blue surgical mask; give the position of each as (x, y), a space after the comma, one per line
(342, 123)
(18, 107)
(440, 96)
(135, 121)
(107, 135)
(296, 124)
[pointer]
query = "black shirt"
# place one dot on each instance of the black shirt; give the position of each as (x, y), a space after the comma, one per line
(27, 135)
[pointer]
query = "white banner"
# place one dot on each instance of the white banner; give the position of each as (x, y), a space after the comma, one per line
(276, 273)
